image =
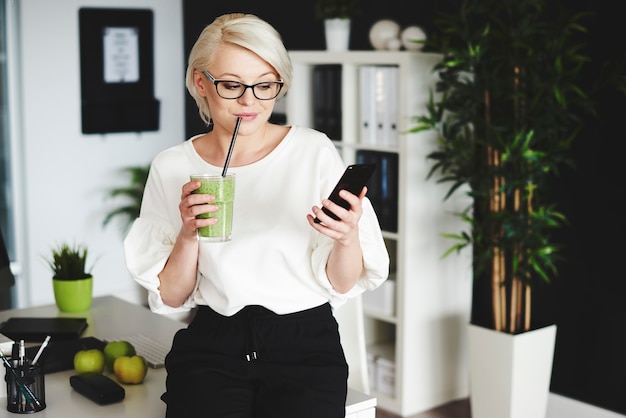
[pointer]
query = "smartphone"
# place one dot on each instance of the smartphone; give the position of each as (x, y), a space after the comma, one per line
(353, 180)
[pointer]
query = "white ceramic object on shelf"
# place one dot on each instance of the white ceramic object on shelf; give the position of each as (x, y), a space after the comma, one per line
(383, 33)
(410, 35)
(337, 33)
(393, 44)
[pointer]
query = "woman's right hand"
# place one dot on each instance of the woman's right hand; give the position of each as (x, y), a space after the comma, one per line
(191, 205)
(178, 277)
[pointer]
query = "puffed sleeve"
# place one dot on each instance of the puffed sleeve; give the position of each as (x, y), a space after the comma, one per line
(150, 241)
(375, 258)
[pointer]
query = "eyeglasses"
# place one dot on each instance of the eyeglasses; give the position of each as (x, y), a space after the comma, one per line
(229, 89)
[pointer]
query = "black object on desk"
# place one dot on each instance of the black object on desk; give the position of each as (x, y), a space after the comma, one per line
(97, 387)
(59, 355)
(37, 329)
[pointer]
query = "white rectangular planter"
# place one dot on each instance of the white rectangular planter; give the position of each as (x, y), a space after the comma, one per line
(510, 374)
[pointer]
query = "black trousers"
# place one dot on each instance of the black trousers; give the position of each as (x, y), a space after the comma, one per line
(257, 364)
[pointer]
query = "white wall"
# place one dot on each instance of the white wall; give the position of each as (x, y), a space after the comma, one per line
(63, 175)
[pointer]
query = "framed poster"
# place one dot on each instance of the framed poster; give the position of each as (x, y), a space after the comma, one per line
(117, 71)
(120, 55)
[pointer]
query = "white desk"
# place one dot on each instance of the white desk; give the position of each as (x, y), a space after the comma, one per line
(110, 317)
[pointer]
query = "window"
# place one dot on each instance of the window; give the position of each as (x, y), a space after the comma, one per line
(5, 150)
(6, 187)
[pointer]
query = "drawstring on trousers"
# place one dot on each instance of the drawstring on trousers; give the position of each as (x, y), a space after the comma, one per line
(253, 321)
(251, 349)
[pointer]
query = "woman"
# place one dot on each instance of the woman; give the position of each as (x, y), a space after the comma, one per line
(263, 342)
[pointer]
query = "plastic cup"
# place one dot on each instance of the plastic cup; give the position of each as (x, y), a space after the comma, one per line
(223, 188)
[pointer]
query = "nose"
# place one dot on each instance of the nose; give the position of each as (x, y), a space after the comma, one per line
(248, 95)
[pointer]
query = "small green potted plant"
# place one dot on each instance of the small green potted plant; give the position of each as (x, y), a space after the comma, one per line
(71, 280)
(333, 9)
(337, 15)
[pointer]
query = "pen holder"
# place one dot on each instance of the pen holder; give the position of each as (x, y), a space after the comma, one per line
(26, 389)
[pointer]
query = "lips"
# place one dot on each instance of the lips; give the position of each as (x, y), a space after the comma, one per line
(246, 117)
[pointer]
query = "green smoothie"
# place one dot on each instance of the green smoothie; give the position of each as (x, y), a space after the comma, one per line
(223, 188)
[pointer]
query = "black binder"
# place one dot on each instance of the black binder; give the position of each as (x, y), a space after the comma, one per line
(382, 189)
(327, 111)
(32, 329)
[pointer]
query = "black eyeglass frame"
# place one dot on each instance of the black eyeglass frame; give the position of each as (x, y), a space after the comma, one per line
(216, 81)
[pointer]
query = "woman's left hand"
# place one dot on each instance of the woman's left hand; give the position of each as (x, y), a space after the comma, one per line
(345, 261)
(344, 230)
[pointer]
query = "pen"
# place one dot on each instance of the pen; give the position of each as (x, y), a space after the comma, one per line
(22, 353)
(23, 387)
(43, 347)
(15, 352)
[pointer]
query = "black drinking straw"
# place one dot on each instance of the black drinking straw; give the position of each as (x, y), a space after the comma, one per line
(232, 145)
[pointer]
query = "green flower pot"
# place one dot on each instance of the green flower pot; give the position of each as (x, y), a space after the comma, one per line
(73, 295)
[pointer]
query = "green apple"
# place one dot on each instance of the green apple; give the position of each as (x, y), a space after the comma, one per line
(115, 349)
(130, 369)
(89, 361)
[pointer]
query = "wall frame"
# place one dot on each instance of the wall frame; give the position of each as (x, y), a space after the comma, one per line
(117, 70)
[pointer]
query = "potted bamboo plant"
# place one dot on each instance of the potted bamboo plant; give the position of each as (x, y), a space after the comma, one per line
(336, 15)
(71, 280)
(506, 109)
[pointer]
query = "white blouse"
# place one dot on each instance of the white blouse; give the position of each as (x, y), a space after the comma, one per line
(275, 259)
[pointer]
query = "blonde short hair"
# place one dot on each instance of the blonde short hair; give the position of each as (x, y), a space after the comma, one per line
(247, 31)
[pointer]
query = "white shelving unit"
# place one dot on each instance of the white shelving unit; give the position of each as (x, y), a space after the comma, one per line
(427, 332)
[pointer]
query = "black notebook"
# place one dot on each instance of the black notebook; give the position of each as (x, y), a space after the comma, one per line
(60, 354)
(36, 329)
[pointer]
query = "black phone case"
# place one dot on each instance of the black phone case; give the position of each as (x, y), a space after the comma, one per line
(98, 388)
(353, 180)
